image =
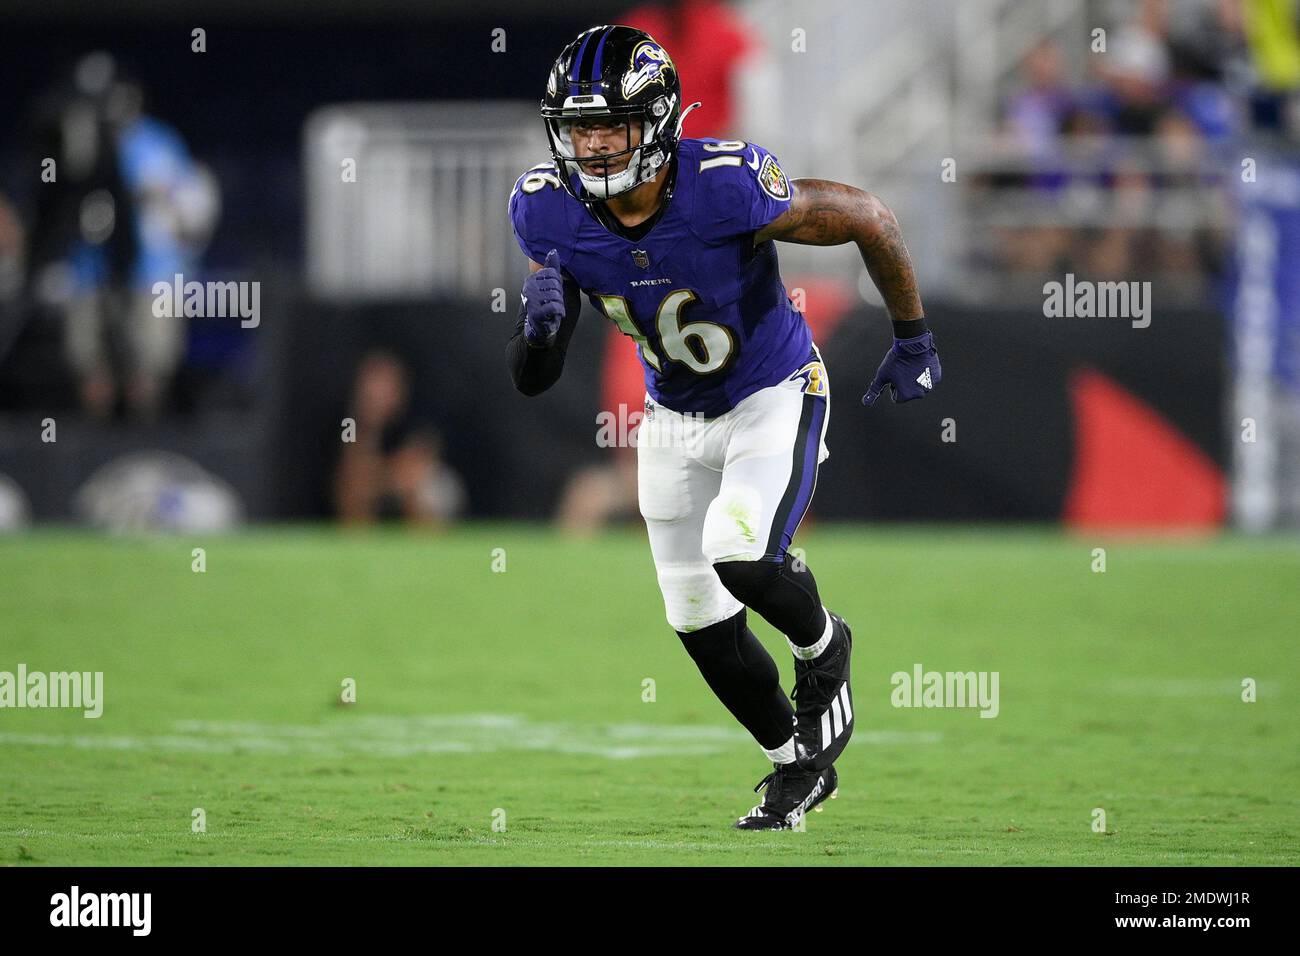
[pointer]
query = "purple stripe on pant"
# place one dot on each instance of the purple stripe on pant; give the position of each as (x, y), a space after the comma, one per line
(811, 451)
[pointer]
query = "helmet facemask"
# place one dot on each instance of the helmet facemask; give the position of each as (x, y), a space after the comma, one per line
(645, 159)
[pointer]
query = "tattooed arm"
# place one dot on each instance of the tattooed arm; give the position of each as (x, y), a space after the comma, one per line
(823, 213)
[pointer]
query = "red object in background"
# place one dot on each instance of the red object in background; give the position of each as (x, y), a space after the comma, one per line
(825, 302)
(1134, 469)
(622, 381)
(706, 40)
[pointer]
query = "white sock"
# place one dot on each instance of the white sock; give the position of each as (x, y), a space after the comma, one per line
(808, 653)
(782, 754)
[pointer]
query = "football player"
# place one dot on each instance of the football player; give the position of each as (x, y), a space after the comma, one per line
(672, 240)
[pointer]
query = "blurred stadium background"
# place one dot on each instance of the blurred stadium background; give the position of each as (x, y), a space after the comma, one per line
(355, 159)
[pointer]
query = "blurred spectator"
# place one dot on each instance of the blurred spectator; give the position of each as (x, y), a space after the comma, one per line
(393, 469)
(12, 246)
(127, 207)
(1272, 28)
(12, 241)
(1120, 169)
(1036, 114)
(175, 201)
(82, 235)
(1135, 70)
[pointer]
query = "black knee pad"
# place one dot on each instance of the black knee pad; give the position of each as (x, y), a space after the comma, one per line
(783, 592)
(748, 581)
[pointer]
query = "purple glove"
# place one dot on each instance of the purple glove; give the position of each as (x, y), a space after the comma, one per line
(910, 369)
(544, 302)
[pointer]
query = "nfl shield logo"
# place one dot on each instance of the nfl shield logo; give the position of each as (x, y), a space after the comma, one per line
(640, 257)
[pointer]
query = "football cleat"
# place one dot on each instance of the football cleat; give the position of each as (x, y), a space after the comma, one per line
(791, 793)
(823, 717)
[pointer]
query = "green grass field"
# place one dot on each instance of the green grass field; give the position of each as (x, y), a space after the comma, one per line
(518, 696)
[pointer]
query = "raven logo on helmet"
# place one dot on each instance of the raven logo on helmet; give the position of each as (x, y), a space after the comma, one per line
(619, 76)
(649, 61)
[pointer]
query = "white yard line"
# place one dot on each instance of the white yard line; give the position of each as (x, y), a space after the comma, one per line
(453, 733)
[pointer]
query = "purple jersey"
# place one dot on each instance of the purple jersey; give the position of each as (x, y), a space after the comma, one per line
(707, 310)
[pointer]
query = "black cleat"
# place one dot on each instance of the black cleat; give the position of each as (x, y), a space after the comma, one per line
(823, 717)
(791, 793)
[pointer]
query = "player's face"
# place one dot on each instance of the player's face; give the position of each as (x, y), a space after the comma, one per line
(594, 138)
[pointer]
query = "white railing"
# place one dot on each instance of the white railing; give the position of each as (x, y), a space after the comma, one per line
(1005, 192)
(425, 211)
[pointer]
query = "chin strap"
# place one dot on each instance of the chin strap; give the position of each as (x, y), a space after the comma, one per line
(685, 113)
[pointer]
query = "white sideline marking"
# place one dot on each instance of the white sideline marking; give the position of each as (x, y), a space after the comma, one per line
(410, 736)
